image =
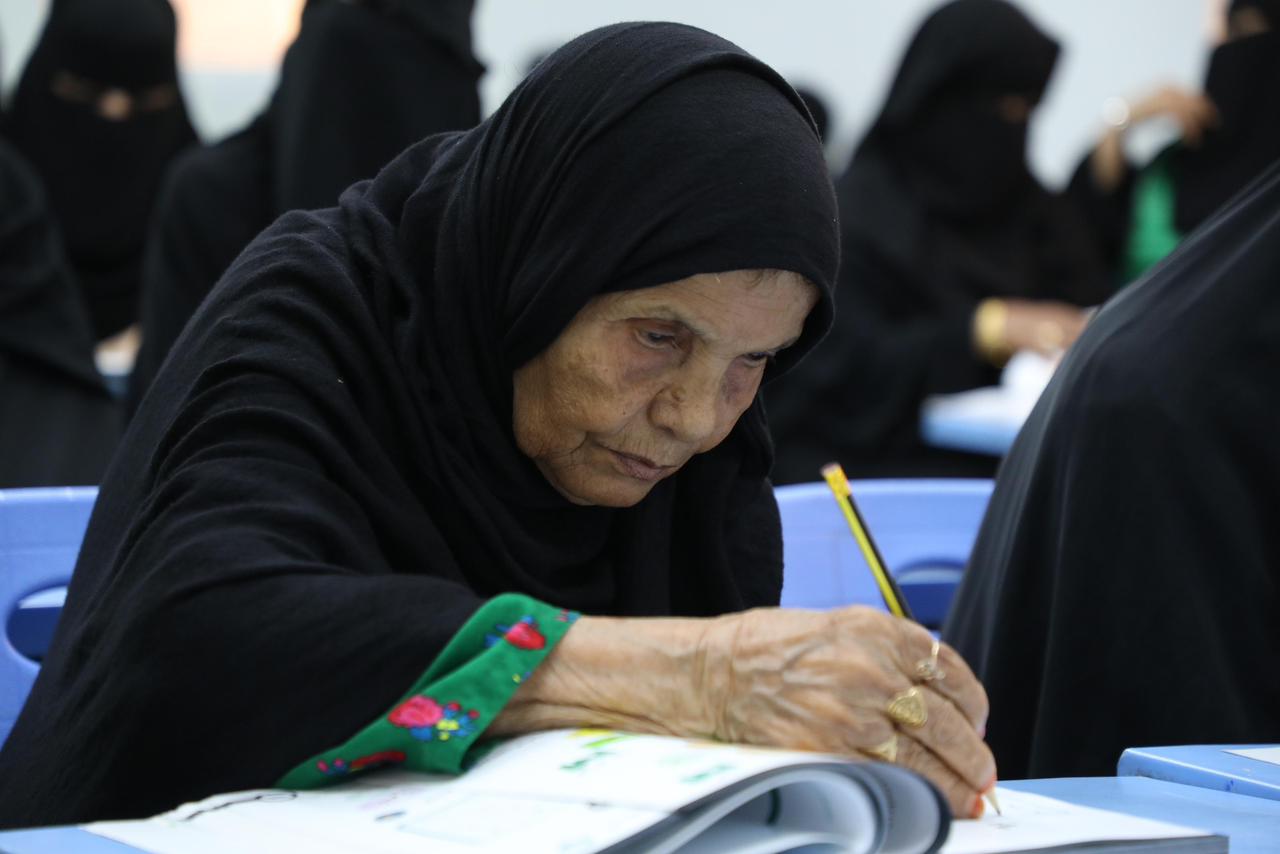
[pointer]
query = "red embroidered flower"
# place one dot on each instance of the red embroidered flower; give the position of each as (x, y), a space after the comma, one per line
(525, 635)
(384, 757)
(416, 712)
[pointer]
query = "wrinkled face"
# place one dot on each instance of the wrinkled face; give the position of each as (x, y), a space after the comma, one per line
(642, 380)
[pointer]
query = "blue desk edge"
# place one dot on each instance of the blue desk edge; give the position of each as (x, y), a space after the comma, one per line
(1208, 766)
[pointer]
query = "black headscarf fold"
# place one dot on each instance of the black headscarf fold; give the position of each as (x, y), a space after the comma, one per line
(359, 84)
(324, 482)
(938, 212)
(102, 175)
(1125, 587)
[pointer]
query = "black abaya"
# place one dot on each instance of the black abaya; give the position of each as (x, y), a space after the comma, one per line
(58, 424)
(358, 85)
(324, 484)
(1125, 587)
(938, 212)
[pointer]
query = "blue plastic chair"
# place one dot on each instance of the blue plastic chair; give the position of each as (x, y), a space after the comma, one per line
(925, 529)
(40, 534)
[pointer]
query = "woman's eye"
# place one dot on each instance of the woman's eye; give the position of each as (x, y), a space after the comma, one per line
(657, 340)
(758, 358)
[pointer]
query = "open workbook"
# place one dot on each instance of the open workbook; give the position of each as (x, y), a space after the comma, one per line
(595, 790)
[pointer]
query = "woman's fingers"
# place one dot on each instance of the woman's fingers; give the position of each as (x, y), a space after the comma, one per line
(957, 682)
(963, 797)
(954, 741)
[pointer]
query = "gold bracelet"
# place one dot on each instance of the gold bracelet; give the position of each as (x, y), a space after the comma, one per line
(989, 336)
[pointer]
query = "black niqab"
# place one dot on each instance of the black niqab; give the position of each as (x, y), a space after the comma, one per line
(1125, 587)
(940, 118)
(938, 212)
(323, 483)
(359, 85)
(102, 176)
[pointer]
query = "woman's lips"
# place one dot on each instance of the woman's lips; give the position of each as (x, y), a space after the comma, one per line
(641, 468)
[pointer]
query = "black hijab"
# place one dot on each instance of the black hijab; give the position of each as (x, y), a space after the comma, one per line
(323, 483)
(102, 176)
(58, 424)
(359, 84)
(1243, 81)
(938, 212)
(1125, 587)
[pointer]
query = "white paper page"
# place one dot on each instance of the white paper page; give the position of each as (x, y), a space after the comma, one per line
(1034, 821)
(566, 790)
(643, 772)
(1262, 754)
(401, 815)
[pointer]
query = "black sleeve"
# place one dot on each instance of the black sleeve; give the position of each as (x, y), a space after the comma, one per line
(1106, 213)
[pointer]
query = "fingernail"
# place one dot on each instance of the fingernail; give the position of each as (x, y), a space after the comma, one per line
(978, 807)
(990, 785)
(982, 730)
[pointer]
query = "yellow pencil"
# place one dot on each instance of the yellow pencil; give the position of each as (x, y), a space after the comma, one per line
(893, 598)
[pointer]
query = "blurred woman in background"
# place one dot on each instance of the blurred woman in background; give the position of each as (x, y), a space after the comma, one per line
(58, 424)
(1230, 134)
(99, 114)
(954, 255)
(360, 83)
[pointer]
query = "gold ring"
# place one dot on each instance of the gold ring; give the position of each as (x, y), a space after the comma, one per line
(887, 750)
(927, 669)
(908, 708)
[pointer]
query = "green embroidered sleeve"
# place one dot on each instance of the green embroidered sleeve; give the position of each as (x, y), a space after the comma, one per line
(440, 718)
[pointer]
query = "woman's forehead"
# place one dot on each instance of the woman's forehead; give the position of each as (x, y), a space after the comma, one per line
(718, 305)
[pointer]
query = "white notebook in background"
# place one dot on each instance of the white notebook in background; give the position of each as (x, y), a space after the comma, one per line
(593, 790)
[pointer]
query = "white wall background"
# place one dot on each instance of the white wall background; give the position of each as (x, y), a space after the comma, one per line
(845, 49)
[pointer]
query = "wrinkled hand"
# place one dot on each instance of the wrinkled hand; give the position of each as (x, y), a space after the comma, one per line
(1044, 326)
(1193, 112)
(823, 681)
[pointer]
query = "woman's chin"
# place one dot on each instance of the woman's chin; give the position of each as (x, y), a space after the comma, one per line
(603, 490)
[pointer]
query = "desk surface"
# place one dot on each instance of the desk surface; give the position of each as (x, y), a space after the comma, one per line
(1211, 766)
(1252, 824)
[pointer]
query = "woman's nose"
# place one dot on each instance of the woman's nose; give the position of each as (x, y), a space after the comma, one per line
(688, 409)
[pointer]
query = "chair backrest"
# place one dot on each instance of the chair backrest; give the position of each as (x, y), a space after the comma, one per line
(40, 534)
(925, 529)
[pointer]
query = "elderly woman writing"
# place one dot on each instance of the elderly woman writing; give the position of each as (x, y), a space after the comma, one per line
(408, 440)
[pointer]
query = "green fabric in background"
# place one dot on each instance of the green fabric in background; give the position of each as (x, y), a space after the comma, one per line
(1152, 232)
